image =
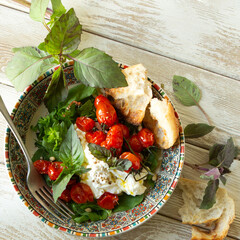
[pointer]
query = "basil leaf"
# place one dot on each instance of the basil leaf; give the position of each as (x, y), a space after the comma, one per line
(213, 154)
(26, 66)
(213, 174)
(65, 34)
(99, 152)
(87, 109)
(197, 130)
(97, 213)
(40, 153)
(38, 10)
(57, 90)
(122, 165)
(154, 158)
(97, 69)
(227, 155)
(127, 202)
(48, 180)
(223, 180)
(60, 184)
(186, 91)
(77, 93)
(58, 8)
(71, 152)
(209, 197)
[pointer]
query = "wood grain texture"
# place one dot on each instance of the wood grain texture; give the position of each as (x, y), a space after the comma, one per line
(219, 94)
(202, 33)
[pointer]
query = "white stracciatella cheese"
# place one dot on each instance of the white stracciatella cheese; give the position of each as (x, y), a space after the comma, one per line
(102, 179)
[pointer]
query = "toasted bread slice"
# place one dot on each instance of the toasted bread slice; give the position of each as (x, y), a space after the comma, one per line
(132, 100)
(160, 118)
(222, 213)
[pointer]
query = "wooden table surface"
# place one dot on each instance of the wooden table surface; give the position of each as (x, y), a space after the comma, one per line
(198, 39)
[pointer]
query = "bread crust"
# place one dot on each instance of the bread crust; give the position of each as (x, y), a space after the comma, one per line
(132, 100)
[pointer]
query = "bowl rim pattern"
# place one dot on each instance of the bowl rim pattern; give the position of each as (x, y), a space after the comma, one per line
(109, 233)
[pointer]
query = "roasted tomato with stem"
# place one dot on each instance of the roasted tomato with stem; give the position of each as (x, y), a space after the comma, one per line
(54, 170)
(95, 137)
(114, 137)
(101, 99)
(146, 137)
(108, 200)
(81, 193)
(135, 143)
(133, 158)
(106, 114)
(42, 166)
(85, 124)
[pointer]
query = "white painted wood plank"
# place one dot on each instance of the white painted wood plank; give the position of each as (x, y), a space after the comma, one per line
(220, 94)
(203, 33)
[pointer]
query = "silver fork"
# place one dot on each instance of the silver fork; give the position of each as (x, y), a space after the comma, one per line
(36, 185)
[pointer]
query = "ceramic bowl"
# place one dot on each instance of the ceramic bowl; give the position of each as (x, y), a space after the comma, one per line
(26, 113)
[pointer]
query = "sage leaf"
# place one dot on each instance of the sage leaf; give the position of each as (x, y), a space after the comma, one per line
(65, 34)
(127, 202)
(60, 184)
(197, 130)
(57, 90)
(186, 91)
(38, 10)
(26, 66)
(71, 151)
(209, 198)
(122, 165)
(97, 69)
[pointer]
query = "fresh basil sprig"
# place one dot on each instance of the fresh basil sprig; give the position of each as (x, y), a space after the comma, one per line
(220, 157)
(92, 66)
(105, 155)
(189, 94)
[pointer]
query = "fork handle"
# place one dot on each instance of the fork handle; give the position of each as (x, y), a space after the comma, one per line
(15, 132)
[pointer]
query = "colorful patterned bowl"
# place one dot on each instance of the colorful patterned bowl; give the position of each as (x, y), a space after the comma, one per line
(27, 111)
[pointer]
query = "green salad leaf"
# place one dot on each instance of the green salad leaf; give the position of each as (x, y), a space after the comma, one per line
(38, 10)
(97, 69)
(197, 130)
(26, 66)
(186, 91)
(127, 202)
(96, 212)
(65, 34)
(57, 90)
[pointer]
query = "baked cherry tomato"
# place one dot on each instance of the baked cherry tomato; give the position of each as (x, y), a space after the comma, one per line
(108, 200)
(106, 114)
(81, 193)
(101, 99)
(134, 159)
(72, 181)
(85, 124)
(66, 196)
(54, 170)
(135, 143)
(125, 130)
(42, 166)
(114, 137)
(95, 137)
(146, 137)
